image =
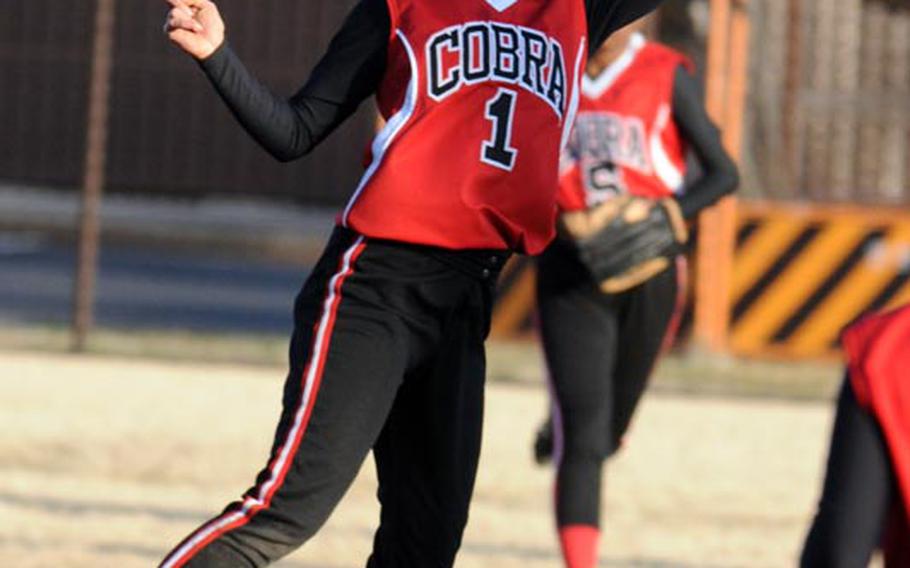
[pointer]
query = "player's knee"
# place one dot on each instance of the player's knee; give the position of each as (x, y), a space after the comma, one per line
(830, 546)
(433, 546)
(261, 543)
(825, 557)
(220, 555)
(588, 450)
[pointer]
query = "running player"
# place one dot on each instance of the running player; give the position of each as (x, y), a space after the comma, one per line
(639, 115)
(387, 351)
(865, 503)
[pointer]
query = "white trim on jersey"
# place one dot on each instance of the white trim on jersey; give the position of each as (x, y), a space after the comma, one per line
(501, 5)
(594, 88)
(391, 130)
(569, 119)
(666, 170)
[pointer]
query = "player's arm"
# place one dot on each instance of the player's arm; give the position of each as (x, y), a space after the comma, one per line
(607, 16)
(347, 74)
(719, 175)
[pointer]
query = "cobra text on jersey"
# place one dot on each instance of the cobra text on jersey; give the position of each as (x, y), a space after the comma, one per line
(475, 52)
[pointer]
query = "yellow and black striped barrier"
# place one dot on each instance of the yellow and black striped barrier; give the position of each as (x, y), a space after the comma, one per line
(801, 273)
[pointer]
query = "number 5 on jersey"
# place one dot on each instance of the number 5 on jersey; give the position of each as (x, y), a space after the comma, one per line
(497, 151)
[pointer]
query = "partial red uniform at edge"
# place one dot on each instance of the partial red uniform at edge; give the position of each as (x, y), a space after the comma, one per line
(878, 352)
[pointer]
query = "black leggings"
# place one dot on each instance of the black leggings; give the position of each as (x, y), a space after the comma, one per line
(860, 491)
(387, 353)
(600, 350)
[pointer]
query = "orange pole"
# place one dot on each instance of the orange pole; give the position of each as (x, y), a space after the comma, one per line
(792, 77)
(738, 76)
(726, 89)
(718, 51)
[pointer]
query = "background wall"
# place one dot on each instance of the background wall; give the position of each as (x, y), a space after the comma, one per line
(169, 134)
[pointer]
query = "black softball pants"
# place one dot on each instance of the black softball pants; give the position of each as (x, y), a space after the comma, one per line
(859, 493)
(600, 350)
(387, 353)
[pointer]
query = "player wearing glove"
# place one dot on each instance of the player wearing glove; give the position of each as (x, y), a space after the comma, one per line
(387, 351)
(627, 240)
(608, 285)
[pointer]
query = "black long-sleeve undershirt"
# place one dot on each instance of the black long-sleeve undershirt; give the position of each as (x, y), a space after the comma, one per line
(348, 73)
(719, 175)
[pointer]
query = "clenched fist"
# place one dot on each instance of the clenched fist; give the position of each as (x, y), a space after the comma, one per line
(195, 26)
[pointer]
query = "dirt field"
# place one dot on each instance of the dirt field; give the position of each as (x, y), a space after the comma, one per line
(108, 462)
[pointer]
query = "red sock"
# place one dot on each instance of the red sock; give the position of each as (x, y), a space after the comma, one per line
(579, 545)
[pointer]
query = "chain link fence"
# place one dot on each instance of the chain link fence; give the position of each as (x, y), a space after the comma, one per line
(828, 113)
(169, 135)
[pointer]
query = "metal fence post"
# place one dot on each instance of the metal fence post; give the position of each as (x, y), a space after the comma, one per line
(94, 174)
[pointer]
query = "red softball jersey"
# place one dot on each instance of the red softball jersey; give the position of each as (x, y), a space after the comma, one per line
(625, 141)
(479, 98)
(878, 353)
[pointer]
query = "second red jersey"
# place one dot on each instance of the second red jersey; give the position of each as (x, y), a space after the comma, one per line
(479, 98)
(625, 140)
(878, 352)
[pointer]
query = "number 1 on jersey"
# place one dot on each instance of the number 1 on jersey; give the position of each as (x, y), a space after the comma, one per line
(497, 151)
